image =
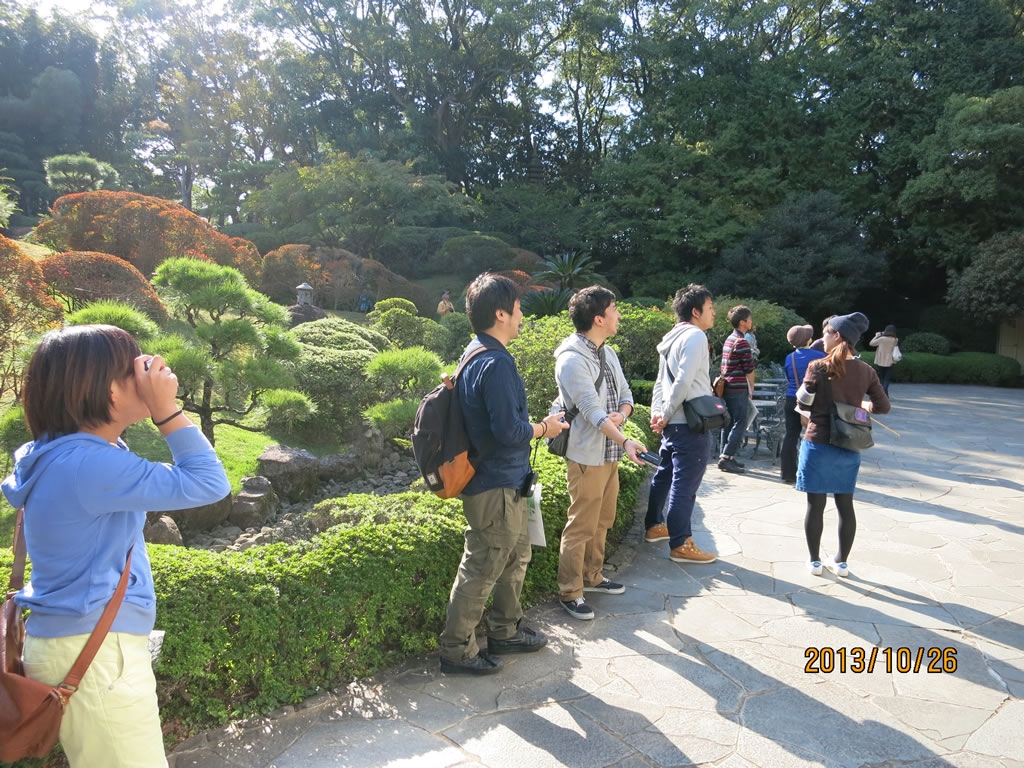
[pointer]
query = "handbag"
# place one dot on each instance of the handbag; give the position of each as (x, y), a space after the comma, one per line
(705, 413)
(31, 711)
(849, 425)
(718, 386)
(896, 354)
(559, 444)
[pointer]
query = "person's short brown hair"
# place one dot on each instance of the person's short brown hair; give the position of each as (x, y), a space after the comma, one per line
(690, 299)
(485, 296)
(588, 303)
(67, 384)
(738, 314)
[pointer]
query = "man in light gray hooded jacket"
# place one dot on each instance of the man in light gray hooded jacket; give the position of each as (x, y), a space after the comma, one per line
(683, 374)
(590, 377)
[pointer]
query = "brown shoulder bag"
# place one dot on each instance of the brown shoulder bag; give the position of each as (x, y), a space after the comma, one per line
(31, 711)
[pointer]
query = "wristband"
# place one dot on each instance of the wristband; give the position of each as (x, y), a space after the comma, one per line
(544, 424)
(172, 416)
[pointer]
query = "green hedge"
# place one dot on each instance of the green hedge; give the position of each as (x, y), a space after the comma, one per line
(249, 631)
(958, 368)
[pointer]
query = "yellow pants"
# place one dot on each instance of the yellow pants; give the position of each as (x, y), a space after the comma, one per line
(593, 495)
(112, 720)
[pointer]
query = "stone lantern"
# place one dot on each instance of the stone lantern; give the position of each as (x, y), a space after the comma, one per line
(304, 294)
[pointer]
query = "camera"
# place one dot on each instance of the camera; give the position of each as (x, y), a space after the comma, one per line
(529, 485)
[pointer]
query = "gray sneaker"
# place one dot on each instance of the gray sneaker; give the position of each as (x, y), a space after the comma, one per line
(608, 587)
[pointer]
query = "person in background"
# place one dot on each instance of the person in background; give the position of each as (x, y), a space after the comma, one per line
(445, 306)
(819, 344)
(885, 342)
(85, 497)
(825, 468)
(796, 366)
(752, 341)
(738, 372)
(596, 444)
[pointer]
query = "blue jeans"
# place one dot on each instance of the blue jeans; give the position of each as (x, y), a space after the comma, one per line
(684, 457)
(737, 401)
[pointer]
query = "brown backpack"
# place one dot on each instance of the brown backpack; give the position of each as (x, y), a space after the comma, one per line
(31, 711)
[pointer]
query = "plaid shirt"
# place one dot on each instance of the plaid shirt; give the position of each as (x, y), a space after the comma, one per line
(612, 450)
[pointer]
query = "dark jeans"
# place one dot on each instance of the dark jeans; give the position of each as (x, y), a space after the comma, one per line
(684, 457)
(884, 376)
(791, 441)
(737, 401)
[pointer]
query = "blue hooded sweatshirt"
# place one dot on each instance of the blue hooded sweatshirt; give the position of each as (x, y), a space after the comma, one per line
(85, 504)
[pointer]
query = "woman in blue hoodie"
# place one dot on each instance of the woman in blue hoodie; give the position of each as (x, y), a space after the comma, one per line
(85, 497)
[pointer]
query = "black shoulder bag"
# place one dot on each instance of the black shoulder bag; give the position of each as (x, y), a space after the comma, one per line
(705, 413)
(559, 444)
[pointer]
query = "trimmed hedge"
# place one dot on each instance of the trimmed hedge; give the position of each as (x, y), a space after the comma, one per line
(982, 368)
(249, 631)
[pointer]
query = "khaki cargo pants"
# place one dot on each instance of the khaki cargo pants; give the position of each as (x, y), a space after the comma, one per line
(494, 560)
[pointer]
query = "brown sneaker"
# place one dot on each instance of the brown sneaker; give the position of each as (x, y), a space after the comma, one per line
(655, 533)
(688, 553)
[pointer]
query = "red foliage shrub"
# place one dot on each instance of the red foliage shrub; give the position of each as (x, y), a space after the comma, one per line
(522, 279)
(77, 278)
(338, 277)
(141, 230)
(25, 311)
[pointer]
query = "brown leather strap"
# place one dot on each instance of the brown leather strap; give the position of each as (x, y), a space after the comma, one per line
(17, 580)
(99, 634)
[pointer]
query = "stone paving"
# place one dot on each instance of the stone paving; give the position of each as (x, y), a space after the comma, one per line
(704, 664)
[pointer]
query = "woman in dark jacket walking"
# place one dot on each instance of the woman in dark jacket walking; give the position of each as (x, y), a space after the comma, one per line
(826, 468)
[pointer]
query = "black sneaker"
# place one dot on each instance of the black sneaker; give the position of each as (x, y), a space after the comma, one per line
(730, 465)
(608, 587)
(578, 608)
(525, 640)
(739, 463)
(481, 664)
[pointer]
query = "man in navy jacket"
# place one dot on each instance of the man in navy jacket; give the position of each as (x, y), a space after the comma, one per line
(497, 548)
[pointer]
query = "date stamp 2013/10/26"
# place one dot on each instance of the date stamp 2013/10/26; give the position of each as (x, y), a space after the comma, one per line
(933, 660)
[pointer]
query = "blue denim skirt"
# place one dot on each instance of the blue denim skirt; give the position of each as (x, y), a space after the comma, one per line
(825, 468)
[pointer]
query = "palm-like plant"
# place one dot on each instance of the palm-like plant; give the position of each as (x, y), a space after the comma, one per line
(548, 301)
(568, 269)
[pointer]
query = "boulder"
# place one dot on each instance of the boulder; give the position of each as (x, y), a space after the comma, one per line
(304, 313)
(161, 530)
(255, 504)
(339, 467)
(203, 518)
(293, 472)
(371, 449)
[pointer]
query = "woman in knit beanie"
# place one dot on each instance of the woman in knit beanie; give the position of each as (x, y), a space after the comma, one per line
(825, 468)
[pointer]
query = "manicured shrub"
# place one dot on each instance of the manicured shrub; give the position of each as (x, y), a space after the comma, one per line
(467, 256)
(981, 368)
(460, 333)
(395, 417)
(533, 351)
(384, 305)
(640, 331)
(13, 433)
(412, 372)
(641, 418)
(338, 333)
(25, 312)
(142, 230)
(642, 390)
(335, 381)
(77, 278)
(925, 341)
(437, 338)
(123, 316)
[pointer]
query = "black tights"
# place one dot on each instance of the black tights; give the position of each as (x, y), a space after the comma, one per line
(813, 524)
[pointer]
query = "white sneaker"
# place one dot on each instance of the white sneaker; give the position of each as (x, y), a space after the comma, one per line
(841, 570)
(814, 566)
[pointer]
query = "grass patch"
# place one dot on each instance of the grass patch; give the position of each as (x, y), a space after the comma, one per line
(34, 251)
(354, 317)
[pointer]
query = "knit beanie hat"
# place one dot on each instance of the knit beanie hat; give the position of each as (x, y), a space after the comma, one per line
(799, 335)
(850, 327)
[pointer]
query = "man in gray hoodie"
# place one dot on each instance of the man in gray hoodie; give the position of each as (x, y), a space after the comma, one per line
(683, 374)
(590, 377)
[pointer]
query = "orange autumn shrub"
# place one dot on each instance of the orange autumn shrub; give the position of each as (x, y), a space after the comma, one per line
(78, 278)
(142, 230)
